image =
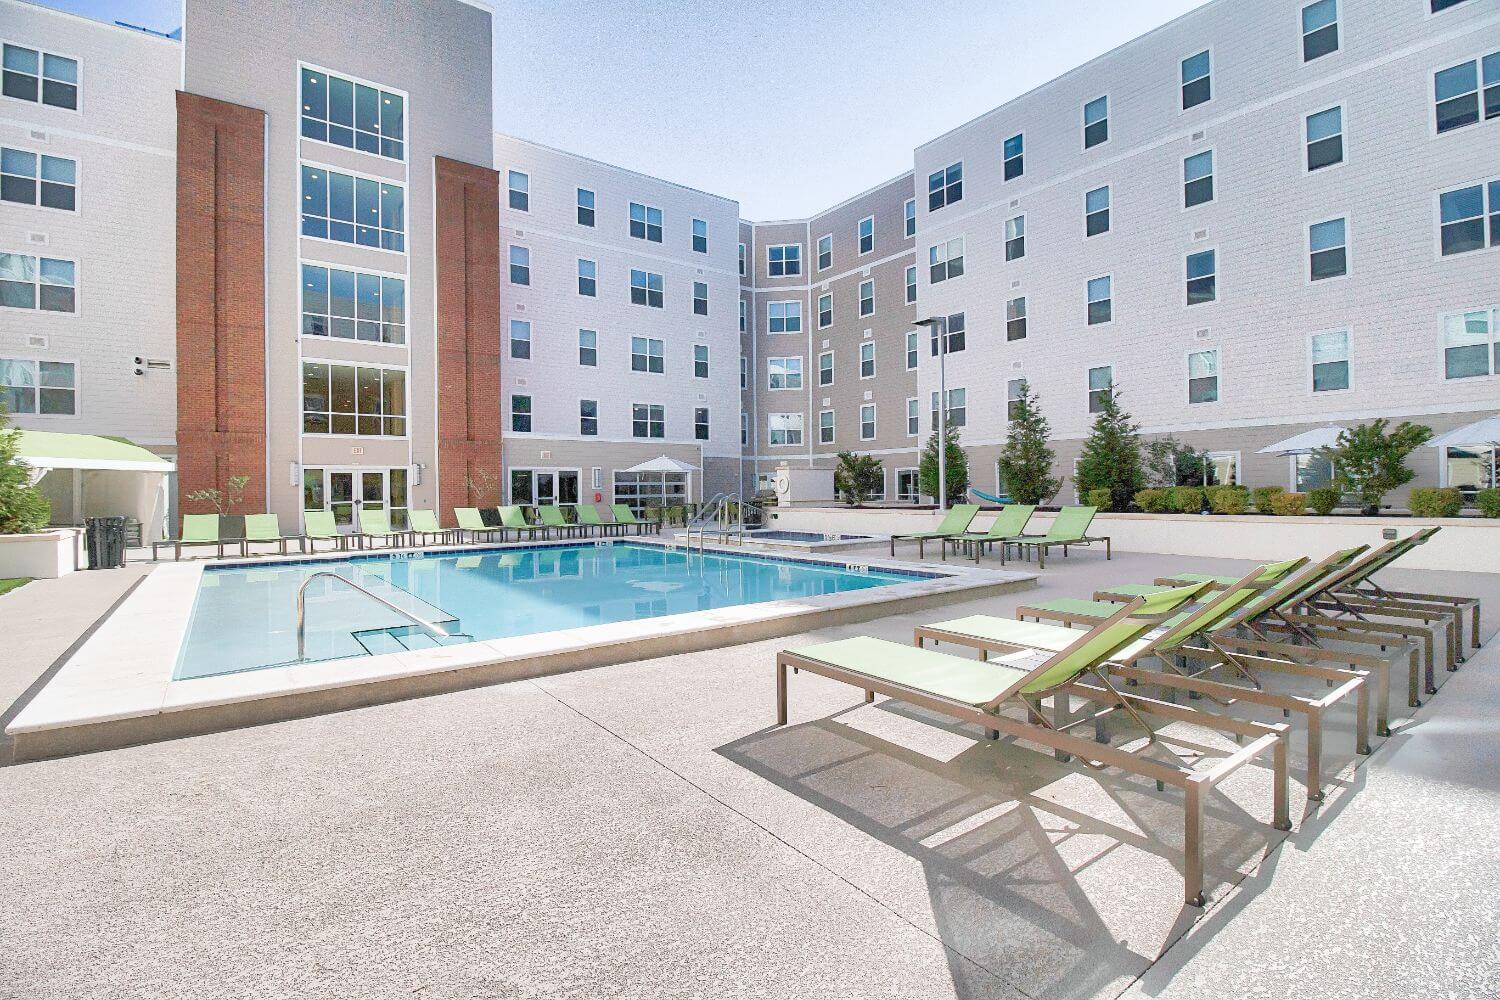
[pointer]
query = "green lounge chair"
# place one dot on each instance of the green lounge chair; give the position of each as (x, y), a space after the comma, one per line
(1010, 523)
(423, 524)
(267, 528)
(318, 526)
(626, 517)
(590, 522)
(1069, 528)
(471, 523)
(553, 519)
(977, 692)
(376, 525)
(955, 523)
(511, 519)
(197, 529)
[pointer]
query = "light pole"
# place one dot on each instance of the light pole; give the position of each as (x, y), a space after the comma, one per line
(939, 326)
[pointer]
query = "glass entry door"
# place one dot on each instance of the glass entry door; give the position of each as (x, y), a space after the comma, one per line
(341, 500)
(544, 487)
(346, 492)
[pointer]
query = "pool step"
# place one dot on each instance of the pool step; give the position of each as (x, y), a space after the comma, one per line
(406, 638)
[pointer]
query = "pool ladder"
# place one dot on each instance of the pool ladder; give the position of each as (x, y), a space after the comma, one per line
(436, 631)
(723, 516)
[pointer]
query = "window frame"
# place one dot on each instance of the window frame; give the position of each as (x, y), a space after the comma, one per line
(1182, 84)
(379, 88)
(867, 360)
(1308, 142)
(592, 208)
(911, 284)
(37, 285)
(1084, 115)
(1490, 211)
(795, 259)
(786, 373)
(831, 370)
(1492, 353)
(77, 387)
(1023, 318)
(1307, 273)
(1006, 159)
(655, 350)
(913, 350)
(581, 348)
(1348, 361)
(1481, 86)
(909, 219)
(702, 423)
(859, 231)
(1006, 239)
(786, 316)
(1218, 352)
(1108, 211)
(653, 411)
(824, 298)
(1303, 34)
(945, 186)
(1212, 176)
(356, 175)
(646, 288)
(700, 302)
(1089, 302)
(1187, 280)
(511, 191)
(696, 236)
(645, 223)
(322, 264)
(705, 360)
(511, 340)
(77, 184)
(867, 283)
(946, 263)
(41, 77)
(801, 429)
(1088, 385)
(406, 417)
(831, 428)
(913, 416)
(593, 278)
(583, 430)
(874, 427)
(820, 266)
(524, 267)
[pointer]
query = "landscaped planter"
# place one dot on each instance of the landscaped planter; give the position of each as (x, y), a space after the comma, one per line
(42, 556)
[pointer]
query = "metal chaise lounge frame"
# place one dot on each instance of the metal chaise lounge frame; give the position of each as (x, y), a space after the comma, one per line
(1009, 524)
(1401, 598)
(267, 528)
(512, 519)
(375, 524)
(590, 521)
(625, 517)
(319, 526)
(198, 529)
(471, 523)
(1065, 530)
(423, 524)
(929, 679)
(553, 519)
(956, 522)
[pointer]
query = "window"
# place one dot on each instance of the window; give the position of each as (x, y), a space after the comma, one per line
(866, 235)
(1325, 138)
(700, 423)
(958, 410)
(825, 368)
(946, 260)
(744, 429)
(41, 77)
(1320, 29)
(353, 399)
(520, 265)
(825, 252)
(954, 328)
(1095, 122)
(1203, 376)
(785, 428)
(1327, 244)
(1456, 92)
(867, 422)
(648, 420)
(354, 115)
(1015, 238)
(1438, 6)
(1013, 157)
(518, 188)
(700, 236)
(742, 315)
(1462, 218)
(911, 284)
(1015, 319)
(588, 348)
(784, 260)
(784, 317)
(867, 359)
(783, 373)
(945, 187)
(867, 297)
(588, 417)
(349, 209)
(353, 306)
(911, 217)
(825, 310)
(700, 361)
(586, 207)
(1101, 300)
(912, 429)
(588, 277)
(49, 388)
(907, 488)
(1330, 361)
(44, 283)
(645, 289)
(520, 338)
(742, 260)
(1198, 179)
(911, 351)
(744, 372)
(1470, 346)
(1197, 83)
(825, 427)
(645, 222)
(647, 354)
(1096, 212)
(1202, 278)
(36, 179)
(700, 298)
(1014, 390)
(1101, 380)
(520, 413)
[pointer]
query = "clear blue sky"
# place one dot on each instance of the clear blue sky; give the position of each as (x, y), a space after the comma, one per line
(788, 107)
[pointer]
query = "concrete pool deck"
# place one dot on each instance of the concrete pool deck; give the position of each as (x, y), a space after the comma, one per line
(639, 830)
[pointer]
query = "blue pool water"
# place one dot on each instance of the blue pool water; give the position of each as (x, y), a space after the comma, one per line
(245, 616)
(777, 535)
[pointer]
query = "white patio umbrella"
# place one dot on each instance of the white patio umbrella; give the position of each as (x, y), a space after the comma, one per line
(666, 465)
(1480, 432)
(1305, 443)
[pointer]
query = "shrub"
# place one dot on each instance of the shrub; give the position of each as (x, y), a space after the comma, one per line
(1323, 500)
(23, 509)
(1187, 499)
(1429, 501)
(1026, 461)
(1489, 502)
(1111, 456)
(956, 471)
(1228, 499)
(1098, 498)
(858, 478)
(1370, 461)
(1288, 504)
(1264, 496)
(1153, 501)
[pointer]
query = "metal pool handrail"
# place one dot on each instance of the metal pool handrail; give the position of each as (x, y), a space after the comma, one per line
(436, 630)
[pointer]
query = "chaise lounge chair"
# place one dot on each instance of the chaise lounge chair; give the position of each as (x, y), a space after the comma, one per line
(1069, 528)
(197, 529)
(955, 523)
(318, 526)
(553, 519)
(471, 523)
(512, 519)
(626, 517)
(590, 522)
(267, 528)
(1008, 525)
(376, 525)
(424, 525)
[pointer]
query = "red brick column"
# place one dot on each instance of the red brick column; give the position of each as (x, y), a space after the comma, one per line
(468, 331)
(221, 320)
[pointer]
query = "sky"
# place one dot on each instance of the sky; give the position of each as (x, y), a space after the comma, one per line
(787, 107)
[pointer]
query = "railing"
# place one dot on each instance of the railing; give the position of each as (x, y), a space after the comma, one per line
(436, 631)
(723, 516)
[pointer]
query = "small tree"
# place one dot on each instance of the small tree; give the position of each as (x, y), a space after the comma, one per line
(223, 499)
(1168, 462)
(1027, 460)
(1111, 458)
(23, 509)
(858, 478)
(1369, 461)
(957, 471)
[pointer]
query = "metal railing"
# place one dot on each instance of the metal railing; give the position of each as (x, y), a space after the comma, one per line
(436, 631)
(723, 516)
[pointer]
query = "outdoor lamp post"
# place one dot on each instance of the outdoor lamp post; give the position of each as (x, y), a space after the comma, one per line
(939, 326)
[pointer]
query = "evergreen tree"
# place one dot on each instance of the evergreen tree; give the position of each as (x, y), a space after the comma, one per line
(1026, 461)
(23, 509)
(1111, 458)
(858, 478)
(957, 471)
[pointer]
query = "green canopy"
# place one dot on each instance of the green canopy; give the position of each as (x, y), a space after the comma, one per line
(46, 450)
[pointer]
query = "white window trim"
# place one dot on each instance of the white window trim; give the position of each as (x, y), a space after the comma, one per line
(1218, 281)
(963, 179)
(801, 319)
(859, 301)
(1109, 188)
(1114, 312)
(912, 281)
(77, 209)
(79, 61)
(783, 246)
(817, 253)
(909, 432)
(1442, 343)
(1437, 217)
(330, 241)
(1307, 278)
(1182, 182)
(1348, 333)
(833, 372)
(802, 433)
(1343, 142)
(874, 366)
(906, 351)
(402, 276)
(1430, 95)
(1187, 378)
(1213, 84)
(1083, 125)
(37, 254)
(1338, 20)
(1088, 390)
(1004, 239)
(858, 235)
(801, 373)
(1022, 135)
(78, 387)
(819, 310)
(409, 416)
(913, 203)
(833, 427)
(302, 64)
(874, 425)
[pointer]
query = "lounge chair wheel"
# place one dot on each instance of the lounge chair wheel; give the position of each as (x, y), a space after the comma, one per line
(1196, 901)
(1315, 796)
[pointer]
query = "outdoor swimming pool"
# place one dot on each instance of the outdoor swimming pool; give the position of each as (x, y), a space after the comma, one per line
(244, 617)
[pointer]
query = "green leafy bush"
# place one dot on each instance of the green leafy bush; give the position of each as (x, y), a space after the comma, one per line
(1098, 498)
(1265, 496)
(1153, 501)
(1227, 499)
(1489, 502)
(1370, 461)
(1288, 504)
(1323, 500)
(23, 510)
(1429, 501)
(857, 478)
(1187, 499)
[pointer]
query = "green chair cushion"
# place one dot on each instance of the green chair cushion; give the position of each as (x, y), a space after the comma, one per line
(262, 528)
(424, 521)
(956, 678)
(1076, 606)
(1032, 635)
(200, 527)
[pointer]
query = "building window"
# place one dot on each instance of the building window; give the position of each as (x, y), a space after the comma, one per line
(1015, 238)
(825, 252)
(907, 487)
(742, 260)
(867, 359)
(744, 429)
(700, 423)
(911, 284)
(48, 388)
(1438, 6)
(1095, 122)
(47, 284)
(1015, 319)
(1330, 361)
(1456, 92)
(588, 348)
(911, 351)
(1327, 244)
(1014, 390)
(1198, 179)
(1202, 277)
(825, 368)
(645, 222)
(1203, 376)
(958, 409)
(1320, 29)
(350, 305)
(953, 327)
(520, 339)
(783, 373)
(866, 235)
(825, 427)
(28, 178)
(353, 399)
(648, 354)
(1325, 138)
(586, 207)
(41, 77)
(785, 428)
(588, 277)
(700, 361)
(945, 260)
(912, 413)
(867, 422)
(1101, 380)
(867, 297)
(648, 420)
(784, 260)
(700, 236)
(588, 417)
(825, 310)
(1013, 156)
(1462, 218)
(348, 209)
(351, 114)
(945, 187)
(1096, 212)
(645, 289)
(1197, 81)
(1101, 300)
(520, 265)
(700, 298)
(518, 190)
(911, 217)
(1470, 347)
(784, 317)
(744, 372)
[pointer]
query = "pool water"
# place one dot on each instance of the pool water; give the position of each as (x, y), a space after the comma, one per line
(802, 536)
(244, 617)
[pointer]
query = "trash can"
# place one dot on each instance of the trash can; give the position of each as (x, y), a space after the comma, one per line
(105, 539)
